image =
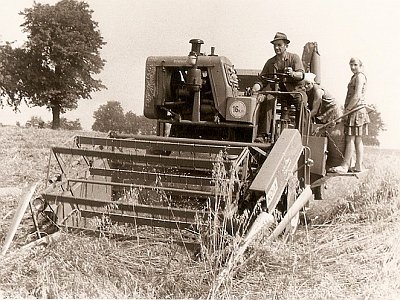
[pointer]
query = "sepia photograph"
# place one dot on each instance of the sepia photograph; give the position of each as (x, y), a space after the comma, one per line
(199, 150)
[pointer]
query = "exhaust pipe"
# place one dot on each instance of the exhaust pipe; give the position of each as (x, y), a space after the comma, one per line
(194, 80)
(196, 45)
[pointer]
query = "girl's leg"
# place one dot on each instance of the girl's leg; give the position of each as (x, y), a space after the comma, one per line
(359, 145)
(350, 145)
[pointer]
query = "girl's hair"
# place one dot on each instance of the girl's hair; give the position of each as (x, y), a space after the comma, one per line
(355, 59)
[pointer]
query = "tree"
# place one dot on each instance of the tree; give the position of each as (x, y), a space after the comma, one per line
(67, 124)
(139, 124)
(13, 65)
(131, 123)
(374, 128)
(35, 121)
(55, 67)
(70, 125)
(109, 116)
(146, 126)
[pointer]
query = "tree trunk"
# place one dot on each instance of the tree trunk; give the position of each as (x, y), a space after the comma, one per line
(56, 116)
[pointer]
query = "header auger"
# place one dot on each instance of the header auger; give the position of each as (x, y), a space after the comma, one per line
(203, 164)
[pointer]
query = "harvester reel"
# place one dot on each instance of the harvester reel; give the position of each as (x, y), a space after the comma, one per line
(131, 187)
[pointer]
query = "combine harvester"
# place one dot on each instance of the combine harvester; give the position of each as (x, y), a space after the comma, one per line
(204, 164)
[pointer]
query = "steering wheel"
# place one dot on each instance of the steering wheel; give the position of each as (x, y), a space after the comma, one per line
(275, 77)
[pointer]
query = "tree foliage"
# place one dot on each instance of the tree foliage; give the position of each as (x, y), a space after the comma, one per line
(374, 128)
(68, 124)
(146, 126)
(65, 124)
(111, 117)
(13, 66)
(139, 124)
(55, 67)
(35, 121)
(130, 123)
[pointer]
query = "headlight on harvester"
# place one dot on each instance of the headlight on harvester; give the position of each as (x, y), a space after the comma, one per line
(39, 204)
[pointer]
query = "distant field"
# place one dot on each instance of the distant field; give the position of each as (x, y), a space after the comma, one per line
(348, 248)
(382, 151)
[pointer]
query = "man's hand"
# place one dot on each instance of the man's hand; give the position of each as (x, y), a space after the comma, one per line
(347, 109)
(289, 71)
(261, 98)
(256, 88)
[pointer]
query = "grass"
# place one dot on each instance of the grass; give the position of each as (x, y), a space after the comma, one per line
(349, 252)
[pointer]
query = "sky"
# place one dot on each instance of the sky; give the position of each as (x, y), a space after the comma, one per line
(241, 31)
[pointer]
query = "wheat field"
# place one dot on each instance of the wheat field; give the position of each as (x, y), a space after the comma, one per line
(345, 248)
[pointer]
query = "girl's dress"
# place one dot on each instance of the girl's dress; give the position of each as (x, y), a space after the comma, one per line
(357, 122)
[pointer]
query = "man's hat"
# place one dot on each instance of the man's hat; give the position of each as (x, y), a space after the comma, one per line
(280, 36)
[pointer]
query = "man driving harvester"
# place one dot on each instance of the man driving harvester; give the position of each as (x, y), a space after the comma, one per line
(290, 67)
